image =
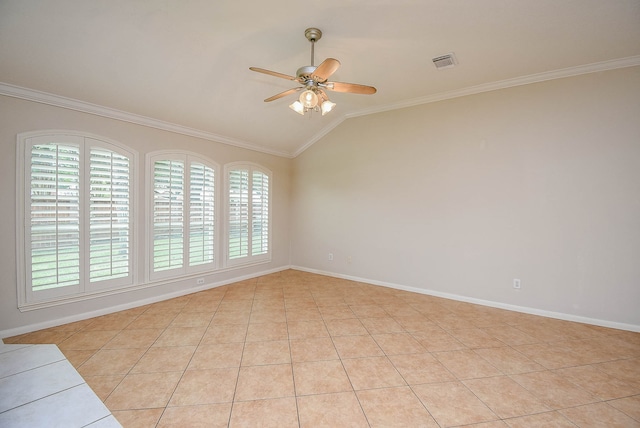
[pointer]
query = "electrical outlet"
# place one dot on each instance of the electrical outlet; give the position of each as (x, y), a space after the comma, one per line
(200, 281)
(516, 283)
(349, 260)
(330, 257)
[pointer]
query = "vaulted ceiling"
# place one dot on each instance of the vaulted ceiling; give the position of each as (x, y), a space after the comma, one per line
(185, 64)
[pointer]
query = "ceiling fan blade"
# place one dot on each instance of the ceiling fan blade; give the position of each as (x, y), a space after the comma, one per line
(283, 94)
(352, 88)
(326, 69)
(272, 73)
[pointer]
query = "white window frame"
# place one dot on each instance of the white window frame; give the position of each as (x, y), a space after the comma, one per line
(185, 269)
(250, 258)
(27, 298)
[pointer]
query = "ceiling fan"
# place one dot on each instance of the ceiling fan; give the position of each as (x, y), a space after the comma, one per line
(314, 81)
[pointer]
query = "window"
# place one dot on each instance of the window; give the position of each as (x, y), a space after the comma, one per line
(248, 219)
(76, 211)
(183, 207)
(76, 215)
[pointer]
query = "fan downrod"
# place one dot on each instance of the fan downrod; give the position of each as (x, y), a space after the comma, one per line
(313, 35)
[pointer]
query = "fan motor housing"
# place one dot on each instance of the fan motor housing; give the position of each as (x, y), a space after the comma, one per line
(305, 71)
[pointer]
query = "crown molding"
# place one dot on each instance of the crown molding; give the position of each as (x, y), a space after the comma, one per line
(316, 137)
(85, 107)
(503, 84)
(487, 87)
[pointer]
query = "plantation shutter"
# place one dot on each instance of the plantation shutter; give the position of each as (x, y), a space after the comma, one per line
(75, 209)
(54, 228)
(168, 215)
(259, 213)
(183, 230)
(109, 215)
(238, 213)
(201, 214)
(248, 227)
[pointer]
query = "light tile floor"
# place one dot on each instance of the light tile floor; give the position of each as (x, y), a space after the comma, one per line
(294, 349)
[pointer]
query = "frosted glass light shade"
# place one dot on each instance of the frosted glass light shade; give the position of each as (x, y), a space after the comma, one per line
(327, 106)
(309, 99)
(297, 107)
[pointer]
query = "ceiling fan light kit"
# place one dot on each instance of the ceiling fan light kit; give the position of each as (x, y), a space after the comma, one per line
(308, 101)
(314, 82)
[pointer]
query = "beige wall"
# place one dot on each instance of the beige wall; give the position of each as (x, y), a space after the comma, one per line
(18, 116)
(538, 182)
(456, 198)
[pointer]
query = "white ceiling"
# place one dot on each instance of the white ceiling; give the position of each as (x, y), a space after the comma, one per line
(186, 62)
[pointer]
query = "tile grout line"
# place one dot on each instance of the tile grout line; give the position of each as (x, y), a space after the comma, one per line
(293, 372)
(244, 343)
(162, 413)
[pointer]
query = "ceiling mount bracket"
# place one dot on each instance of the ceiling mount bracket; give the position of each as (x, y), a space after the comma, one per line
(313, 34)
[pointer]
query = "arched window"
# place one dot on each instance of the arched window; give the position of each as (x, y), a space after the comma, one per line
(75, 206)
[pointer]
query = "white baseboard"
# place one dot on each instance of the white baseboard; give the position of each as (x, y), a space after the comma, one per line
(159, 298)
(130, 305)
(489, 303)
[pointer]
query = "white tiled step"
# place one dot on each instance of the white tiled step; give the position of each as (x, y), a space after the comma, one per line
(40, 388)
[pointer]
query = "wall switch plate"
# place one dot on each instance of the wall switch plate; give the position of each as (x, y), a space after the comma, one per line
(516, 283)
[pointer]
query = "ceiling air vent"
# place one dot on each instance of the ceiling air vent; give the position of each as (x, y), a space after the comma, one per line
(445, 61)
